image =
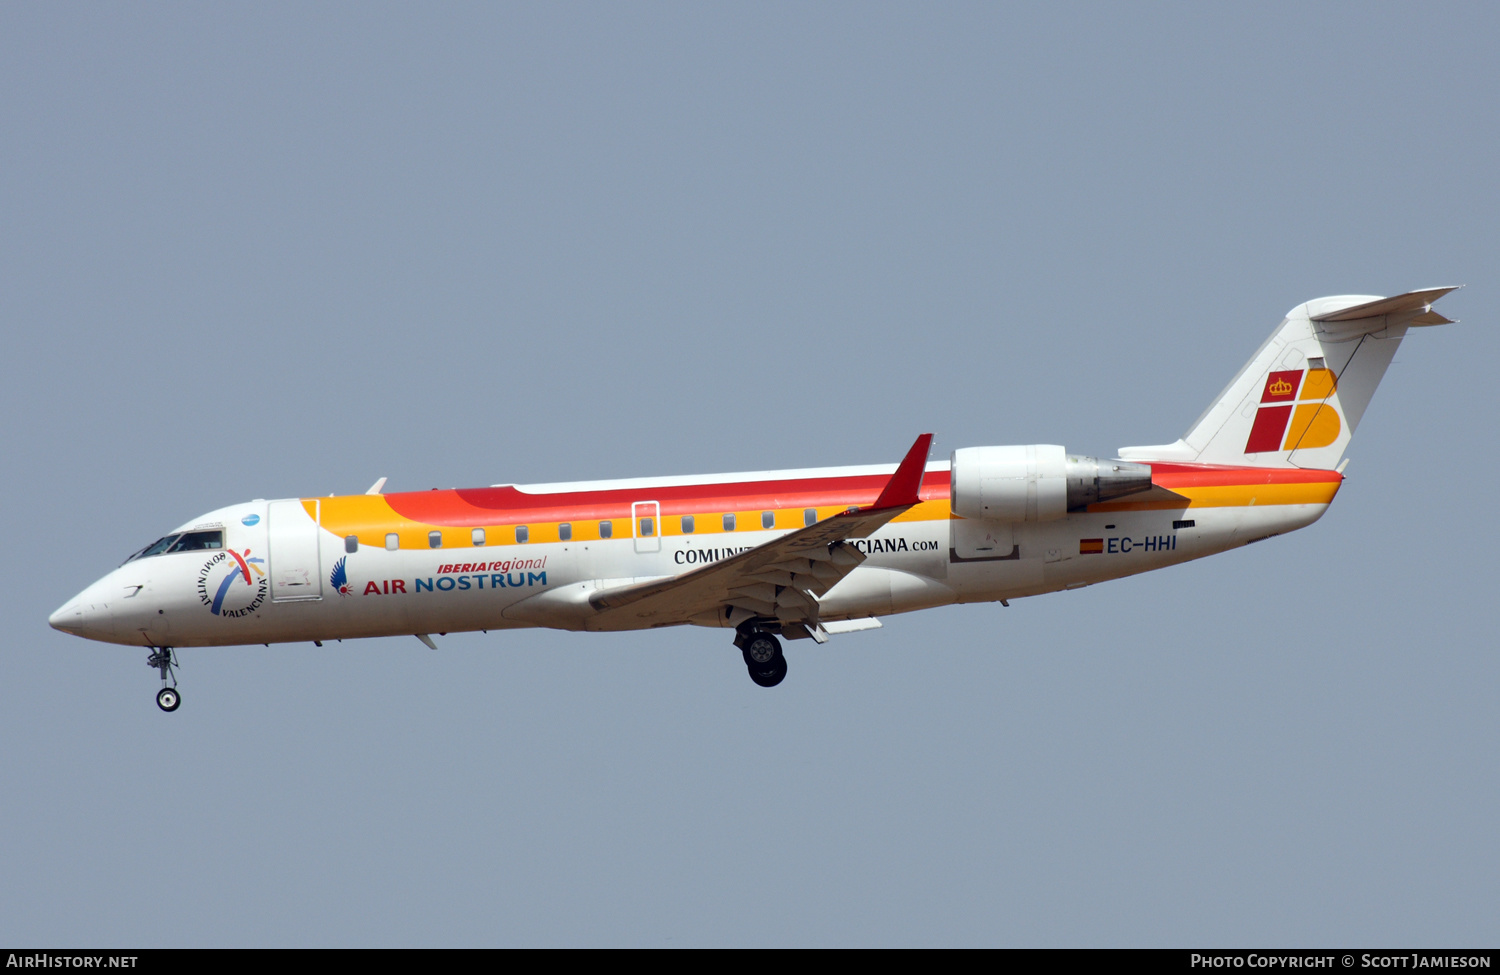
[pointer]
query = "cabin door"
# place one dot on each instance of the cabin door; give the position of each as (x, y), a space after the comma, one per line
(293, 535)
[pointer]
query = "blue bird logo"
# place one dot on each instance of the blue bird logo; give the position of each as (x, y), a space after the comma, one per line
(340, 579)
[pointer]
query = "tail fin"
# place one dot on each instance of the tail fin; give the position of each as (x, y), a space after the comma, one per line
(1297, 401)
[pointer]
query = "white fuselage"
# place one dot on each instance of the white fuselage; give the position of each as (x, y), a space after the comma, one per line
(912, 563)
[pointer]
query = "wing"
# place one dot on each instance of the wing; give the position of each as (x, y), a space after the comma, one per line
(780, 580)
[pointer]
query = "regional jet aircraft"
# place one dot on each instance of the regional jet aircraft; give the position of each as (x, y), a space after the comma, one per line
(772, 555)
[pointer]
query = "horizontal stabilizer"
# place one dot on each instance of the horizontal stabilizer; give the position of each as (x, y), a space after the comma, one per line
(1411, 301)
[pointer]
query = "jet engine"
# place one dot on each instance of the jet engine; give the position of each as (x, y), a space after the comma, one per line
(1037, 482)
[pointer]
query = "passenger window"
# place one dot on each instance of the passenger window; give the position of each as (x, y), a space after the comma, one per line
(198, 541)
(810, 516)
(392, 542)
(434, 539)
(565, 532)
(648, 527)
(522, 534)
(729, 522)
(606, 529)
(478, 537)
(768, 519)
(351, 544)
(687, 524)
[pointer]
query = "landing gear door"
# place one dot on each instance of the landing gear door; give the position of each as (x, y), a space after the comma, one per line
(645, 523)
(296, 572)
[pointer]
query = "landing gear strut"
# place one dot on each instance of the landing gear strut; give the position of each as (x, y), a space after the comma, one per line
(763, 658)
(164, 660)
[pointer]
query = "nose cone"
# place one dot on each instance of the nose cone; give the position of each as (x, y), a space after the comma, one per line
(85, 615)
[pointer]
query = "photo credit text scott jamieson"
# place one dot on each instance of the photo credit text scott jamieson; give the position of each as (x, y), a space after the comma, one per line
(1341, 959)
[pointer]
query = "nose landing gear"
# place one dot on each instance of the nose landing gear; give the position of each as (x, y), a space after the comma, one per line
(763, 658)
(164, 660)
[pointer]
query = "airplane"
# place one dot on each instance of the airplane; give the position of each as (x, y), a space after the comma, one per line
(771, 555)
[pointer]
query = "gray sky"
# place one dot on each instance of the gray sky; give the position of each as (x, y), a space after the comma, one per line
(256, 251)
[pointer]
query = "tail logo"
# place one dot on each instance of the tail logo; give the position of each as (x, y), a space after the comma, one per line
(1281, 386)
(1295, 421)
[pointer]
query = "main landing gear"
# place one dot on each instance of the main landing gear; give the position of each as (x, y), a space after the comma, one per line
(762, 652)
(163, 659)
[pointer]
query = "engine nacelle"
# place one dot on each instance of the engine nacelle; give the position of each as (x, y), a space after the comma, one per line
(1027, 483)
(1037, 482)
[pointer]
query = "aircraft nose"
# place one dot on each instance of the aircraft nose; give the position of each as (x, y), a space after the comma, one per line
(85, 617)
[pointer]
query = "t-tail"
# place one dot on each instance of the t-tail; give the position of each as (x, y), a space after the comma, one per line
(1297, 402)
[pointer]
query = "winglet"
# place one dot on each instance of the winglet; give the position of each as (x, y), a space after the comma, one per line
(901, 490)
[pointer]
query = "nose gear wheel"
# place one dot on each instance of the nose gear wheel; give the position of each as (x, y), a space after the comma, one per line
(164, 660)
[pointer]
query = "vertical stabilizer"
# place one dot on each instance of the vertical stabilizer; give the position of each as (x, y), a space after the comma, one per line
(1299, 399)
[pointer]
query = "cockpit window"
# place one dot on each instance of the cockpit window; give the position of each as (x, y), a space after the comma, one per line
(185, 542)
(155, 548)
(198, 541)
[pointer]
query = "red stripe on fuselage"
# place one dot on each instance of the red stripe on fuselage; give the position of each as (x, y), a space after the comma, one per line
(473, 507)
(467, 507)
(1215, 475)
